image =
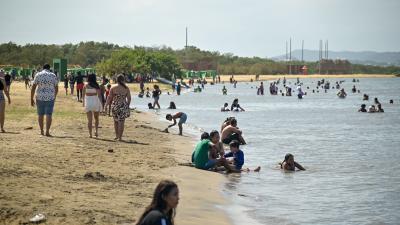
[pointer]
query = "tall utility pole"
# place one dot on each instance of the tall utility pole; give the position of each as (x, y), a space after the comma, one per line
(290, 56)
(286, 51)
(302, 50)
(186, 38)
(320, 56)
(327, 49)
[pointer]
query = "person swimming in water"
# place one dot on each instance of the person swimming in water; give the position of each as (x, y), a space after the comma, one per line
(372, 109)
(300, 92)
(172, 105)
(362, 108)
(224, 90)
(376, 101)
(365, 97)
(379, 108)
(289, 164)
(391, 101)
(225, 108)
(235, 106)
(342, 93)
(354, 90)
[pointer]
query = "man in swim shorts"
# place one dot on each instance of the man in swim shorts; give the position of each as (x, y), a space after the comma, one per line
(231, 132)
(182, 119)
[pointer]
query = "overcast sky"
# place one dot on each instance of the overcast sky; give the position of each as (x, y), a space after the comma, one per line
(243, 27)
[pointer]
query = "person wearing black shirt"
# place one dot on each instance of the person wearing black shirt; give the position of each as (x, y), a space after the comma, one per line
(156, 96)
(7, 79)
(79, 86)
(161, 210)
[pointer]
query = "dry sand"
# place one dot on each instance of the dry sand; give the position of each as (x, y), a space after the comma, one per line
(248, 77)
(73, 179)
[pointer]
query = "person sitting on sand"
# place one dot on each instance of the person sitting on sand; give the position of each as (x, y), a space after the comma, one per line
(225, 108)
(236, 160)
(371, 109)
(204, 136)
(379, 109)
(342, 93)
(172, 105)
(162, 208)
(235, 106)
(182, 119)
(231, 132)
(363, 108)
(365, 97)
(205, 156)
(289, 164)
(219, 146)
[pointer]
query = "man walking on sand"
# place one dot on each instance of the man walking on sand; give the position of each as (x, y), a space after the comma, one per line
(45, 85)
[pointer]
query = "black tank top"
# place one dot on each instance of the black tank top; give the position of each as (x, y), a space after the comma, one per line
(1, 86)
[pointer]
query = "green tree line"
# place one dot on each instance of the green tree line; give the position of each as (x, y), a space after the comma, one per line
(110, 59)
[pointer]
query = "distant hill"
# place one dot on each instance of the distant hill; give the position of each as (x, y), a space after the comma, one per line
(365, 58)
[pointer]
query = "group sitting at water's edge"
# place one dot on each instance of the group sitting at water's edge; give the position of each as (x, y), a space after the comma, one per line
(209, 153)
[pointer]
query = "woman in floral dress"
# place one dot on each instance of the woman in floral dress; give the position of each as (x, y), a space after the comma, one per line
(119, 100)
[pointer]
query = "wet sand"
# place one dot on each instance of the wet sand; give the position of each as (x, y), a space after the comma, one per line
(73, 179)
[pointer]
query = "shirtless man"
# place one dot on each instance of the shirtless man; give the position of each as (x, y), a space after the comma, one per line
(218, 150)
(226, 123)
(182, 119)
(231, 132)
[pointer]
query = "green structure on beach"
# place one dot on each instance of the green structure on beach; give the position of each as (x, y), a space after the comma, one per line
(199, 74)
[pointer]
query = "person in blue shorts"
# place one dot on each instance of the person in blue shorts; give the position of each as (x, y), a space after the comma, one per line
(236, 160)
(182, 119)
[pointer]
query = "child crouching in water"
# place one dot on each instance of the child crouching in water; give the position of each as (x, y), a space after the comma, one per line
(238, 158)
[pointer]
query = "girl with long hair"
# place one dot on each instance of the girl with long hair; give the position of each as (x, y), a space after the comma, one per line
(91, 102)
(119, 100)
(3, 91)
(289, 164)
(162, 208)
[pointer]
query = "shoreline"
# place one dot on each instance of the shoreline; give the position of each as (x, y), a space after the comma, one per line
(193, 183)
(265, 77)
(74, 179)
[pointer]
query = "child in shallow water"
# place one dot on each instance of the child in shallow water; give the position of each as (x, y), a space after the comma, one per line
(289, 164)
(237, 160)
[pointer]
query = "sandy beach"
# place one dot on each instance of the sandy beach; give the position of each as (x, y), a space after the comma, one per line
(249, 77)
(73, 179)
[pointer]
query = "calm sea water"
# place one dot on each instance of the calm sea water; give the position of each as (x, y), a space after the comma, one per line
(352, 159)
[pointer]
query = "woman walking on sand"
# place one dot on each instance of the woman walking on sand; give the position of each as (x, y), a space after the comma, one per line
(92, 104)
(119, 101)
(162, 208)
(3, 90)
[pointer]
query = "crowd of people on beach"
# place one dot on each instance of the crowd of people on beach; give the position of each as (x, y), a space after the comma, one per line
(216, 151)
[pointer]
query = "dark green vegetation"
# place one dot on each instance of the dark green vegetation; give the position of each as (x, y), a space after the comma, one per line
(109, 59)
